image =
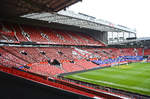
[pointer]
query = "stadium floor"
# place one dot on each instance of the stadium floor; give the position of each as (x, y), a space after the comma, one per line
(134, 77)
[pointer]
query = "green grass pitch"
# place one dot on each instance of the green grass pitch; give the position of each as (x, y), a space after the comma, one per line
(134, 77)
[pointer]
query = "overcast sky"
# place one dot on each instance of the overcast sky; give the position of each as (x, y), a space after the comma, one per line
(130, 13)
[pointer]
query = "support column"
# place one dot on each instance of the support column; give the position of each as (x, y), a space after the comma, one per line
(112, 37)
(143, 51)
(117, 37)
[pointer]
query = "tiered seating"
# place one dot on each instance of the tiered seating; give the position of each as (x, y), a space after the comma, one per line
(128, 52)
(33, 53)
(50, 52)
(140, 51)
(67, 53)
(7, 33)
(77, 38)
(120, 51)
(100, 52)
(71, 67)
(68, 39)
(35, 35)
(7, 38)
(24, 33)
(39, 60)
(105, 52)
(58, 53)
(19, 35)
(6, 29)
(44, 69)
(15, 51)
(147, 52)
(51, 35)
(8, 59)
(86, 64)
(91, 40)
(21, 56)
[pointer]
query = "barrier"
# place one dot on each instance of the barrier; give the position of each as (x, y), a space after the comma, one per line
(56, 83)
(41, 80)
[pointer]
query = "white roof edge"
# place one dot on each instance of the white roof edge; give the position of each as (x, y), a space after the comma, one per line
(97, 24)
(92, 19)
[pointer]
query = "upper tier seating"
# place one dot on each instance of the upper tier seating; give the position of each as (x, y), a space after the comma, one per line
(7, 38)
(7, 33)
(35, 35)
(26, 33)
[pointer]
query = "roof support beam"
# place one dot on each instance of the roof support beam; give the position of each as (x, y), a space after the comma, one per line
(35, 4)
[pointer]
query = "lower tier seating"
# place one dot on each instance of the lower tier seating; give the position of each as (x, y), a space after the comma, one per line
(44, 69)
(40, 60)
(147, 52)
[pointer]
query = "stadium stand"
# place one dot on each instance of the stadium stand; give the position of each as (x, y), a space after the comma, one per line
(86, 64)
(147, 52)
(26, 33)
(65, 52)
(41, 54)
(43, 68)
(39, 60)
(71, 67)
(30, 55)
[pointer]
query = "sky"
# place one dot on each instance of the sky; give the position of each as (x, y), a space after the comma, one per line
(130, 13)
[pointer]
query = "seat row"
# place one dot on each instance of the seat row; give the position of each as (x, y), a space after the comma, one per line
(24, 33)
(34, 57)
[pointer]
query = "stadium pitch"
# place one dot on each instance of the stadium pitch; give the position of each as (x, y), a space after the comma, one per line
(134, 77)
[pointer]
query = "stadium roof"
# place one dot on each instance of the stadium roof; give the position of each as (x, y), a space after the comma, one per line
(138, 41)
(79, 20)
(13, 8)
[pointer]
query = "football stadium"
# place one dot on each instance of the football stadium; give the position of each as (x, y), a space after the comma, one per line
(48, 52)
